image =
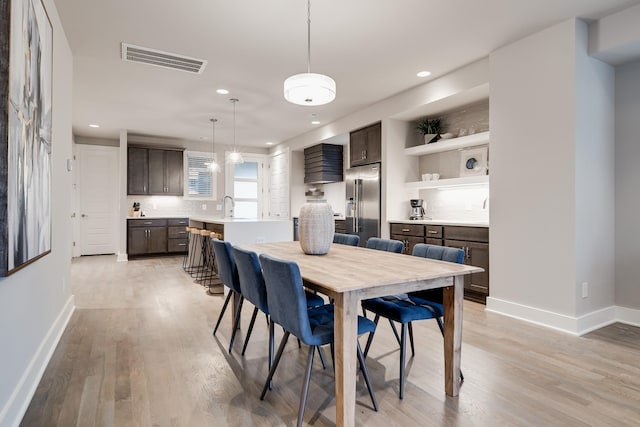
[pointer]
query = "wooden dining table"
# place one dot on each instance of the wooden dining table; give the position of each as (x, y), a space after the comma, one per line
(350, 274)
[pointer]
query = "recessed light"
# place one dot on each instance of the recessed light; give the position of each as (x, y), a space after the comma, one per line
(315, 122)
(268, 143)
(424, 74)
(94, 126)
(222, 91)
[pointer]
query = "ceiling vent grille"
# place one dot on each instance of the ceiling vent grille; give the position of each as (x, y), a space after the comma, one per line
(133, 53)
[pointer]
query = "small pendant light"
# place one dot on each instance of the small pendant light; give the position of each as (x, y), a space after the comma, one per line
(234, 157)
(214, 166)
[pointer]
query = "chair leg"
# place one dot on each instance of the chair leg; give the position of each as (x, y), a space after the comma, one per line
(370, 338)
(413, 350)
(395, 331)
(305, 386)
(253, 320)
(274, 366)
(271, 343)
(321, 354)
(365, 374)
(441, 326)
(236, 323)
(403, 352)
(224, 307)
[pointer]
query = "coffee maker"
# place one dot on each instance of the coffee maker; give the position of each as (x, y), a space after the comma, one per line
(417, 211)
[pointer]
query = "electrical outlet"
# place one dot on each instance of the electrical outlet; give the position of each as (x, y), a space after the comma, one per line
(585, 289)
(204, 206)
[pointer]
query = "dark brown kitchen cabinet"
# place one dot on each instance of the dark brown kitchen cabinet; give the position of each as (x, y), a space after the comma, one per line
(154, 172)
(365, 145)
(146, 236)
(475, 243)
(409, 234)
(341, 226)
(154, 236)
(137, 171)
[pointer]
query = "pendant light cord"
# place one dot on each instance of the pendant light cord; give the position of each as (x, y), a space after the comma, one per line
(308, 36)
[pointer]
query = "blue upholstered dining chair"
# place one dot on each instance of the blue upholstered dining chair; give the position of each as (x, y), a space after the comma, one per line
(313, 326)
(405, 308)
(346, 239)
(228, 273)
(385, 245)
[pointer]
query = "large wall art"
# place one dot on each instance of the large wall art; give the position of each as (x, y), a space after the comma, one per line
(26, 67)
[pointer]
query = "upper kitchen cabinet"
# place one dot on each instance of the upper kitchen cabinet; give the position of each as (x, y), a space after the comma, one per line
(154, 172)
(365, 145)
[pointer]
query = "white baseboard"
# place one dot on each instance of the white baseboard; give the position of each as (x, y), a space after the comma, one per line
(572, 325)
(122, 257)
(630, 316)
(17, 405)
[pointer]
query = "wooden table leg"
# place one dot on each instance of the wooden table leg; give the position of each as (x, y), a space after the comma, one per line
(453, 299)
(346, 334)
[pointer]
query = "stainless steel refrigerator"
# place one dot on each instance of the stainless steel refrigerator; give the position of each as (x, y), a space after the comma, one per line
(362, 211)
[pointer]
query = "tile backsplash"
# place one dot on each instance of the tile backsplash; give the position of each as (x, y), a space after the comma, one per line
(175, 206)
(461, 204)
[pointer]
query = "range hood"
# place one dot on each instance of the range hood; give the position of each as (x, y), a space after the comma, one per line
(323, 164)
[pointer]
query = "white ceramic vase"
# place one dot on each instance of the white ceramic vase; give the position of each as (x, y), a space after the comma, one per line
(316, 227)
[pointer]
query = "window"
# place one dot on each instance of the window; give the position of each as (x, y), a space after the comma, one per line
(246, 181)
(199, 181)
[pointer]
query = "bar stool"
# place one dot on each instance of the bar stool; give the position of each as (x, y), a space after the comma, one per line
(214, 284)
(186, 254)
(195, 242)
(205, 273)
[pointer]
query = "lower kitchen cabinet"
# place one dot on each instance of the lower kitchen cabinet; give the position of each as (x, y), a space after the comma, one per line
(473, 240)
(475, 243)
(156, 236)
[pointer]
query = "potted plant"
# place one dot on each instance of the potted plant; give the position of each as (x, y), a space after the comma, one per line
(430, 128)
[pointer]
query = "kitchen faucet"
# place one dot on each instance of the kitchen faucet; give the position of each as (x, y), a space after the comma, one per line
(224, 205)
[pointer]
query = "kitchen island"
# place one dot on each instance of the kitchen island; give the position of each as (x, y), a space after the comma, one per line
(245, 231)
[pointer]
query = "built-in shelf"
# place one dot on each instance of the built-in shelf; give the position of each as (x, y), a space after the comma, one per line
(481, 138)
(451, 182)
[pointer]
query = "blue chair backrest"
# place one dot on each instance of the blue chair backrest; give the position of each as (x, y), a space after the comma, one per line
(286, 297)
(346, 239)
(385, 245)
(251, 279)
(226, 265)
(444, 253)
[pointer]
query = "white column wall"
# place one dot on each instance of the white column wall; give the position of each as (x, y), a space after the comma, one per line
(595, 186)
(36, 302)
(532, 152)
(627, 178)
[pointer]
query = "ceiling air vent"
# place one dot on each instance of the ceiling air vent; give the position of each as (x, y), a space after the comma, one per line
(133, 53)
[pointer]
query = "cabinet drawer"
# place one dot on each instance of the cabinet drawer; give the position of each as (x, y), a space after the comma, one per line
(408, 229)
(473, 234)
(176, 232)
(147, 222)
(178, 221)
(434, 231)
(341, 226)
(177, 245)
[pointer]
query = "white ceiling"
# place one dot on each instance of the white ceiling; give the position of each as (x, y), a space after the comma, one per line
(372, 48)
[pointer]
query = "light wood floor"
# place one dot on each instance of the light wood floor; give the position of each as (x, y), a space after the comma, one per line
(139, 351)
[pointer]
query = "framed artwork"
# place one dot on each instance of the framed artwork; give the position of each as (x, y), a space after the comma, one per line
(26, 69)
(474, 161)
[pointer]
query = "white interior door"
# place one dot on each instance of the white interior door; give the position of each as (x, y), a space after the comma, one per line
(279, 185)
(98, 199)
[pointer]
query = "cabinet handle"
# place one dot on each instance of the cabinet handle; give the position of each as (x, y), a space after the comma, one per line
(148, 222)
(364, 154)
(182, 244)
(432, 232)
(466, 251)
(473, 285)
(144, 188)
(182, 232)
(406, 230)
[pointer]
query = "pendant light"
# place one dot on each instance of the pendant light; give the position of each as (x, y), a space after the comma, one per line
(214, 166)
(234, 157)
(309, 88)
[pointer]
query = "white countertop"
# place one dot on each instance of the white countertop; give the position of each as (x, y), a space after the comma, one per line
(217, 220)
(441, 222)
(158, 217)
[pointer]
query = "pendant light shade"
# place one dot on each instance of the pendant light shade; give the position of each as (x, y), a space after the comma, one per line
(309, 88)
(214, 166)
(234, 157)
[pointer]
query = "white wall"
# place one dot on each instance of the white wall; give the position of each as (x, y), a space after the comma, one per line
(627, 177)
(595, 185)
(551, 179)
(36, 302)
